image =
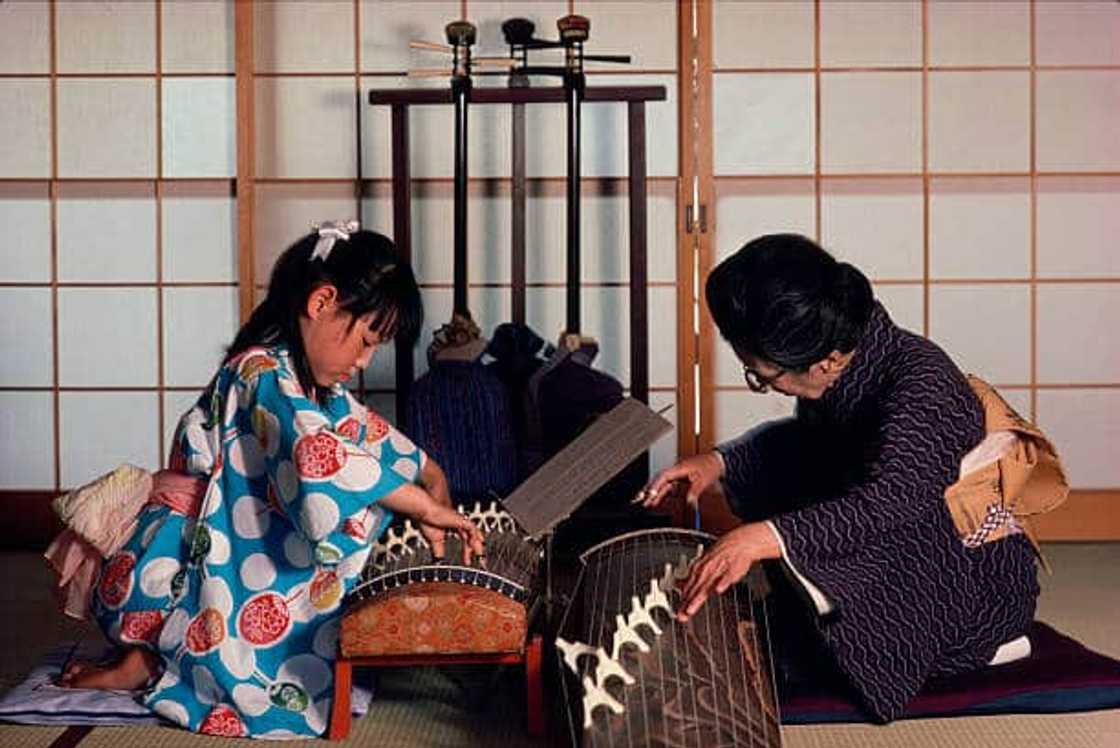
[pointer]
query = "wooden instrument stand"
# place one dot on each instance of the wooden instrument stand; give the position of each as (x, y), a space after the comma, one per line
(530, 657)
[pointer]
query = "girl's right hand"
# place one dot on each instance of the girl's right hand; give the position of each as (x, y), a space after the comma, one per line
(692, 474)
(436, 520)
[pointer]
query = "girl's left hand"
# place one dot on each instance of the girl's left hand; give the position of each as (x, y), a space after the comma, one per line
(726, 563)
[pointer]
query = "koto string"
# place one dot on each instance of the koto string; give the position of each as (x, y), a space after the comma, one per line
(638, 585)
(742, 659)
(563, 627)
(728, 669)
(708, 611)
(617, 556)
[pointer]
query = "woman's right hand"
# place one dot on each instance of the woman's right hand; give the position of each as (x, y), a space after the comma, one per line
(692, 474)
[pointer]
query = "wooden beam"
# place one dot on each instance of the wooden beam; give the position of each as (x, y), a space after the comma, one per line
(1085, 516)
(549, 95)
(246, 156)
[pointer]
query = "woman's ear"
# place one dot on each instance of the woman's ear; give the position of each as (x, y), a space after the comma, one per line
(320, 301)
(832, 363)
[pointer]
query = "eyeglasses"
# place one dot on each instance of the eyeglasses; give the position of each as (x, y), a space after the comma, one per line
(758, 383)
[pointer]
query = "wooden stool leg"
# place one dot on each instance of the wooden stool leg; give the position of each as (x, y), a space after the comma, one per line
(340, 707)
(534, 691)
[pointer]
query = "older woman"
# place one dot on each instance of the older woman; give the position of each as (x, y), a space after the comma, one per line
(849, 493)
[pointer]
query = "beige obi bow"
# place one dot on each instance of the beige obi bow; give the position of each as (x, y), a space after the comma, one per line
(1013, 474)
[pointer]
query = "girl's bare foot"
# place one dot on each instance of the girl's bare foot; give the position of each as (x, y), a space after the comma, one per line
(135, 668)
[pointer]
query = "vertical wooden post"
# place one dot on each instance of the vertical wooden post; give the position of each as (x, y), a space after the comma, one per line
(687, 340)
(402, 237)
(706, 218)
(639, 300)
(246, 157)
(517, 214)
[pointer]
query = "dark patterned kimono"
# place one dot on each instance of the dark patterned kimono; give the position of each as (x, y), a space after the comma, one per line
(854, 485)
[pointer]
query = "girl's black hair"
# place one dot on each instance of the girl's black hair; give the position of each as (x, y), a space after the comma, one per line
(783, 299)
(369, 276)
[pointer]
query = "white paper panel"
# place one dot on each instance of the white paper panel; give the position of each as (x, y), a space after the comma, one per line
(25, 338)
(1077, 340)
(979, 33)
(199, 238)
(1077, 116)
(101, 430)
(25, 38)
(763, 124)
(985, 329)
(199, 127)
(746, 210)
(25, 243)
(87, 318)
(106, 128)
(761, 34)
(871, 33)
(1085, 427)
(198, 324)
(106, 37)
(108, 239)
(27, 440)
(305, 127)
(980, 228)
(1078, 222)
(1077, 33)
(979, 121)
(304, 36)
(875, 224)
(871, 122)
(25, 149)
(185, 50)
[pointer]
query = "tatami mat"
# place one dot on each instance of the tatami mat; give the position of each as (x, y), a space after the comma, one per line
(481, 707)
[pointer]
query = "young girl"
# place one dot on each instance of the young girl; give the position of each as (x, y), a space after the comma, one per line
(229, 618)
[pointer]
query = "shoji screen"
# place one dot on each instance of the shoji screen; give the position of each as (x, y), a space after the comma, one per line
(323, 152)
(965, 156)
(118, 275)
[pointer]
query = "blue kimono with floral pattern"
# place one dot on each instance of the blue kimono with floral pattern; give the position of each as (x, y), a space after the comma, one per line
(242, 604)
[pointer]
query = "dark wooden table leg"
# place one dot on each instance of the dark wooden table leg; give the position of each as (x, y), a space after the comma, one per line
(534, 687)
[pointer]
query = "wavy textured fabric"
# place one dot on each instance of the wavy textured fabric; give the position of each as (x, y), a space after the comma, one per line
(243, 604)
(854, 485)
(459, 412)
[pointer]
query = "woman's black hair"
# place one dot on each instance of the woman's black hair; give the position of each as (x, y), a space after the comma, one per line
(783, 299)
(369, 276)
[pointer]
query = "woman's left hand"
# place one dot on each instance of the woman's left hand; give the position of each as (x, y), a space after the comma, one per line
(726, 563)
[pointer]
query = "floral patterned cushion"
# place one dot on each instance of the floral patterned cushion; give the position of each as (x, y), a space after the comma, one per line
(434, 618)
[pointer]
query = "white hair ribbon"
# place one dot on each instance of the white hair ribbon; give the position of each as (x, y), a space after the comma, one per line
(329, 233)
